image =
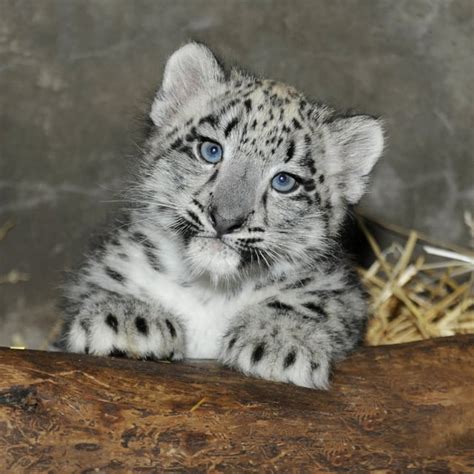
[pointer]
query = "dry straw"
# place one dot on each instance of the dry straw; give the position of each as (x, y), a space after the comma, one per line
(418, 290)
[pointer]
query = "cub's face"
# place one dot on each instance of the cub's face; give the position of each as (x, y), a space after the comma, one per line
(247, 174)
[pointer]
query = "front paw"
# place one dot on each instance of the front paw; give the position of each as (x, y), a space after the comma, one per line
(123, 328)
(281, 351)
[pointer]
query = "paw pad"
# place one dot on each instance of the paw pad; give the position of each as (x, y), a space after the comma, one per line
(258, 352)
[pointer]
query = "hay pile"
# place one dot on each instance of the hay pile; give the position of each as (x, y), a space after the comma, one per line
(418, 291)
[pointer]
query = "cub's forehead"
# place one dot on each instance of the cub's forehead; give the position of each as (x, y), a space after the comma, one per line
(276, 98)
(250, 113)
(275, 93)
(266, 104)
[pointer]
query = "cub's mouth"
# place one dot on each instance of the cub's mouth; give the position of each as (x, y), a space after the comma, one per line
(214, 256)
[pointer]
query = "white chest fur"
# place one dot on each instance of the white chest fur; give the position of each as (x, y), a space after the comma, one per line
(205, 311)
(205, 314)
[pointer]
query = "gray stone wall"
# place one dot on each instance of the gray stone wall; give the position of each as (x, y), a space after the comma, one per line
(74, 75)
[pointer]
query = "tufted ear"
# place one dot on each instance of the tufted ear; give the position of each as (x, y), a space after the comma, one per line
(190, 70)
(357, 144)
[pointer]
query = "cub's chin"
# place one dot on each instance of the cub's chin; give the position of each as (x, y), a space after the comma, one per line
(212, 256)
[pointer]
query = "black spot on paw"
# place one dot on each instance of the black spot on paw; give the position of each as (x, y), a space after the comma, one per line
(232, 342)
(170, 357)
(86, 350)
(314, 366)
(171, 328)
(258, 353)
(289, 359)
(117, 353)
(112, 321)
(141, 325)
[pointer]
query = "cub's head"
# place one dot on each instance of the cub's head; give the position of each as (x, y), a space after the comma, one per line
(247, 174)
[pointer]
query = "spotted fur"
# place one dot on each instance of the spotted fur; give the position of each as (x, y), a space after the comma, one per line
(271, 293)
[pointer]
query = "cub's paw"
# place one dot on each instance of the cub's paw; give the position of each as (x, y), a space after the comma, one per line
(122, 328)
(278, 351)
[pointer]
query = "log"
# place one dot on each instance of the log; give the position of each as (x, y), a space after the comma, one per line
(405, 408)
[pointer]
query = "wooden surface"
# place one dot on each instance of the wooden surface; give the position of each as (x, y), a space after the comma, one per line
(407, 408)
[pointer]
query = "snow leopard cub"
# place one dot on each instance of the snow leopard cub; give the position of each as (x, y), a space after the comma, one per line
(231, 250)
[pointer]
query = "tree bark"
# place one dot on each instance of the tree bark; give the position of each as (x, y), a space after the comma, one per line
(406, 408)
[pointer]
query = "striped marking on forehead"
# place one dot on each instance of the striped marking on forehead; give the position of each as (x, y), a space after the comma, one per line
(266, 107)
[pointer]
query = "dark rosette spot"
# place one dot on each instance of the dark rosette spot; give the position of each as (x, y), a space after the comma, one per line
(289, 359)
(171, 328)
(141, 325)
(112, 322)
(258, 353)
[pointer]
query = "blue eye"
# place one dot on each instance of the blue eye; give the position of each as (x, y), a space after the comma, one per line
(211, 152)
(284, 183)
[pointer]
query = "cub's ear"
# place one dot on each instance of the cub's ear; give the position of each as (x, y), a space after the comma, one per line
(190, 70)
(356, 143)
